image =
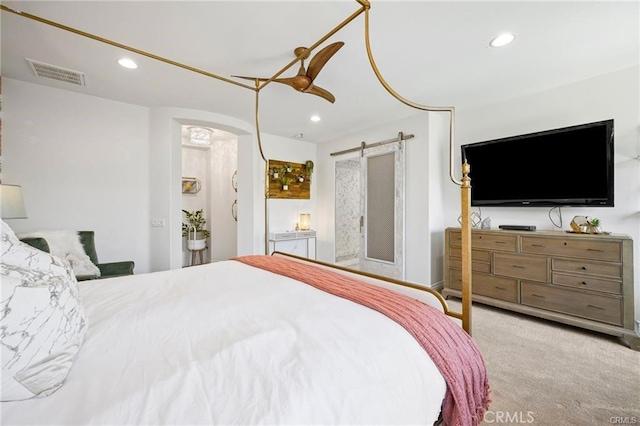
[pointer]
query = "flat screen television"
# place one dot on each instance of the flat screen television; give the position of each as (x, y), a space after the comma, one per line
(570, 166)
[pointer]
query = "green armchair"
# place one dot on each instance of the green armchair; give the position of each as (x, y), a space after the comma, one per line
(107, 270)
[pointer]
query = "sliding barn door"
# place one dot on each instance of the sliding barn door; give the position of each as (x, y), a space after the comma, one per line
(382, 208)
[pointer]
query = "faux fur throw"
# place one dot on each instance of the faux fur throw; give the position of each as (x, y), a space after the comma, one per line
(66, 244)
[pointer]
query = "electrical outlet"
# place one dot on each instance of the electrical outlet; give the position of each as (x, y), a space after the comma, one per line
(158, 222)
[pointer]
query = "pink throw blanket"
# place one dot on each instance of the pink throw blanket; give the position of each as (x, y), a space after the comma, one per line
(452, 350)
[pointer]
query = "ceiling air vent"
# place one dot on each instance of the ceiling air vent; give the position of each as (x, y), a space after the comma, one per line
(55, 72)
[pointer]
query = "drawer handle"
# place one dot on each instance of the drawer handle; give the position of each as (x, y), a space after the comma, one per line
(584, 268)
(599, 251)
(500, 288)
(538, 295)
(500, 242)
(518, 267)
(585, 283)
(596, 307)
(538, 245)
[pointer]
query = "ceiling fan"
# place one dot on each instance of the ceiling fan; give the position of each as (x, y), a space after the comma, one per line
(303, 81)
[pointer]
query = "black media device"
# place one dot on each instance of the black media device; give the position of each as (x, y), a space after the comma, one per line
(570, 166)
(518, 227)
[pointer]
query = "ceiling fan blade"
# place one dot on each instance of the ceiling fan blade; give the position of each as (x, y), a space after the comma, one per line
(319, 91)
(321, 58)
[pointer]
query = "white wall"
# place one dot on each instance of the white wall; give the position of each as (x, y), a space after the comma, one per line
(83, 163)
(214, 166)
(95, 164)
(421, 179)
(612, 95)
(91, 163)
(166, 170)
(433, 201)
(196, 163)
(166, 176)
(284, 213)
(223, 243)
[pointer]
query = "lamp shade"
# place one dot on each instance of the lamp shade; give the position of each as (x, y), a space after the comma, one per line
(305, 221)
(11, 203)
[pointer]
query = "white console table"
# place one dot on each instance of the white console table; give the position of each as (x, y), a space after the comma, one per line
(277, 242)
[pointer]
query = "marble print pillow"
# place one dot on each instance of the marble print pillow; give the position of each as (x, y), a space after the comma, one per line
(42, 323)
(16, 253)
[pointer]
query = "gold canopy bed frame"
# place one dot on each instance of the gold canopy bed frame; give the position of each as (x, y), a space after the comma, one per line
(365, 6)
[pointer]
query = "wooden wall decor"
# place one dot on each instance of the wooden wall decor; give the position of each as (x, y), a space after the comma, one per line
(289, 180)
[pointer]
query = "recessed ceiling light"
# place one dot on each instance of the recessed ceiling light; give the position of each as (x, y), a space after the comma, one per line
(127, 63)
(315, 118)
(502, 40)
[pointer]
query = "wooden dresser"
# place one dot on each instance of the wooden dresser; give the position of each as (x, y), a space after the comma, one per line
(578, 279)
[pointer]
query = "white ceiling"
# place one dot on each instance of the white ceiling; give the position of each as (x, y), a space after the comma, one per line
(433, 53)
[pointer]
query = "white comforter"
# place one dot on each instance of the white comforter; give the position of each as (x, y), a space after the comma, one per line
(226, 344)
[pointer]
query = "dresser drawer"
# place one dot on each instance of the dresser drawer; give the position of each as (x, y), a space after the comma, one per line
(595, 307)
(588, 282)
(475, 266)
(488, 285)
(590, 268)
(504, 242)
(585, 248)
(519, 266)
(481, 255)
(455, 238)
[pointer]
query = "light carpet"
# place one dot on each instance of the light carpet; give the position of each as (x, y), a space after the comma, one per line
(544, 373)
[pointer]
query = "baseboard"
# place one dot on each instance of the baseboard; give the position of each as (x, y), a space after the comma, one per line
(438, 286)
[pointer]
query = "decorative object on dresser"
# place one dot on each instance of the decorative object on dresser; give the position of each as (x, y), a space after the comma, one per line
(586, 225)
(584, 280)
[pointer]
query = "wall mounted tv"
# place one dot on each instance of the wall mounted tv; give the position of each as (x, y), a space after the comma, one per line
(570, 166)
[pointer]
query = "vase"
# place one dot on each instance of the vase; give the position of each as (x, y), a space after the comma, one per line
(595, 229)
(285, 187)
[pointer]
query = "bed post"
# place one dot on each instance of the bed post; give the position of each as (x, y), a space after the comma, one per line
(465, 195)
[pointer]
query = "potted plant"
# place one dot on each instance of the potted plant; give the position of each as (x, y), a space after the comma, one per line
(193, 229)
(274, 173)
(288, 167)
(308, 165)
(594, 225)
(300, 177)
(285, 181)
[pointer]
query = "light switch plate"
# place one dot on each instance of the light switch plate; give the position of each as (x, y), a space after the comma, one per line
(158, 222)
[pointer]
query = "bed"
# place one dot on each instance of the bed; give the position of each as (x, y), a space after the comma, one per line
(237, 342)
(252, 340)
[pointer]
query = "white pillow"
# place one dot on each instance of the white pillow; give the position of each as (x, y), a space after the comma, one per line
(43, 322)
(66, 244)
(82, 265)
